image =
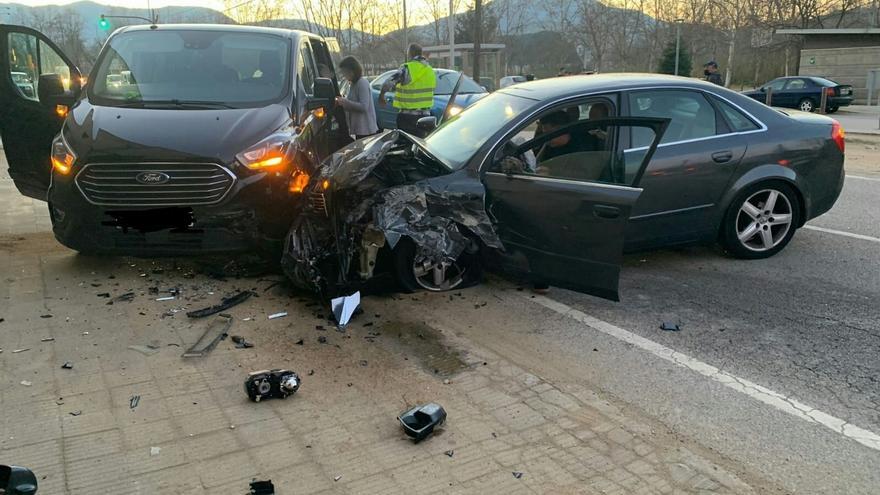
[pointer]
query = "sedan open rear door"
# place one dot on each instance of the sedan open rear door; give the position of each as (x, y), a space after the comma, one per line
(38, 83)
(561, 201)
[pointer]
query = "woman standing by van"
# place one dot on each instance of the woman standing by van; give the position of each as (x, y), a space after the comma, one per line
(358, 103)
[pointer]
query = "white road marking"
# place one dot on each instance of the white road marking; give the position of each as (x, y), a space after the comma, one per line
(751, 389)
(840, 232)
(859, 177)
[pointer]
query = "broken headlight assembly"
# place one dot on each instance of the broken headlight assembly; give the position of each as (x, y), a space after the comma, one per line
(270, 153)
(271, 384)
(62, 156)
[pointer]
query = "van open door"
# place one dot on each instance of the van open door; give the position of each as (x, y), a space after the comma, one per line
(38, 85)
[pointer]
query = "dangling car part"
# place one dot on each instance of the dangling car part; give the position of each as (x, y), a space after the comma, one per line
(271, 384)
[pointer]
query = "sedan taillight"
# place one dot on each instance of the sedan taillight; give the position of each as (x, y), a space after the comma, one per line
(838, 135)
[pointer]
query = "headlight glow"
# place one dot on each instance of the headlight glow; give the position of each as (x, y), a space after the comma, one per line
(267, 154)
(455, 110)
(299, 182)
(62, 156)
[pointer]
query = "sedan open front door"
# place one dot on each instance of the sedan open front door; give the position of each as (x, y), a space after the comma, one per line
(561, 201)
(38, 84)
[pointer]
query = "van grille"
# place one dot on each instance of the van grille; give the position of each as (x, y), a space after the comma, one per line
(160, 184)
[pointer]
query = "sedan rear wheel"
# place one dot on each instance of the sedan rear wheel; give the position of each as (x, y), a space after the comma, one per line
(761, 221)
(806, 105)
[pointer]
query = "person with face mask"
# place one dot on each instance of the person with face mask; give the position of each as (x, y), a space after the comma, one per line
(710, 70)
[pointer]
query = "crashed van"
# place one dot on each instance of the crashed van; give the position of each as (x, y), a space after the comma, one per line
(183, 139)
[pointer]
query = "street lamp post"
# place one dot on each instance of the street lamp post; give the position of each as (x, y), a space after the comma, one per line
(677, 42)
(451, 23)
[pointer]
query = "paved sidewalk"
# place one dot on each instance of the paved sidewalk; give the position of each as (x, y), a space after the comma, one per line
(338, 434)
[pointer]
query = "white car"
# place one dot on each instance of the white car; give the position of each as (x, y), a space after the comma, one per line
(511, 80)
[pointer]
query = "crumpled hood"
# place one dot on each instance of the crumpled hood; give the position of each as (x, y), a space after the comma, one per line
(100, 133)
(354, 162)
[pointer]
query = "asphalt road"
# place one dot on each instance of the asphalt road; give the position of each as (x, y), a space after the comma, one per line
(804, 324)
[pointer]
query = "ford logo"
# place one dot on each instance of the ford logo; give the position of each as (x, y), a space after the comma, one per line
(152, 178)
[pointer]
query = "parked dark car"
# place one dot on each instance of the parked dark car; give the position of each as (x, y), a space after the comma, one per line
(620, 162)
(187, 138)
(804, 93)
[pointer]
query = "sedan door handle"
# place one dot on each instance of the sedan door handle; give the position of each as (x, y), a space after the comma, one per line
(605, 211)
(722, 156)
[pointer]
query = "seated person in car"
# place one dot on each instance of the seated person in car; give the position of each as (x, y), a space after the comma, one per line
(563, 144)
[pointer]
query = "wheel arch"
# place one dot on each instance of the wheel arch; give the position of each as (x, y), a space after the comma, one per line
(763, 174)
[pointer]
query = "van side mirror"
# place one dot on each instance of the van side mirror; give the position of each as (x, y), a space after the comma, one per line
(16, 480)
(427, 124)
(324, 89)
(50, 86)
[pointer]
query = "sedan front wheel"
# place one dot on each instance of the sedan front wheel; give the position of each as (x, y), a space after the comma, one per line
(761, 221)
(417, 273)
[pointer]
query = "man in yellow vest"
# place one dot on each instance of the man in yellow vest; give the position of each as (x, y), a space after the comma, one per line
(414, 84)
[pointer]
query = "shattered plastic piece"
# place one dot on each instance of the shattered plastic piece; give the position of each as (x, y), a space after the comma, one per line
(144, 349)
(154, 451)
(225, 303)
(262, 488)
(266, 384)
(337, 478)
(278, 315)
(127, 297)
(75, 413)
(48, 339)
(166, 298)
(670, 327)
(103, 294)
(300, 342)
(133, 401)
(420, 421)
(45, 316)
(26, 383)
(67, 365)
(21, 350)
(216, 331)
(241, 343)
(517, 474)
(449, 453)
(344, 307)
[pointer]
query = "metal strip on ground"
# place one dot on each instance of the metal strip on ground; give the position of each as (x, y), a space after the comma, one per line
(842, 233)
(751, 389)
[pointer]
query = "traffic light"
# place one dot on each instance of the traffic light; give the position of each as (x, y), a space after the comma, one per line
(103, 23)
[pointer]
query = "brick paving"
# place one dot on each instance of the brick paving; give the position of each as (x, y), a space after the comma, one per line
(337, 435)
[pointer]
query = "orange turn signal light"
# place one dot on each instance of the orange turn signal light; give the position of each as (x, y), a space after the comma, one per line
(319, 112)
(61, 110)
(268, 162)
(325, 185)
(299, 182)
(64, 167)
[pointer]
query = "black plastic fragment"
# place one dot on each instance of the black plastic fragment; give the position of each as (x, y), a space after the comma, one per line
(262, 488)
(240, 342)
(127, 297)
(668, 326)
(420, 421)
(517, 474)
(67, 365)
(225, 303)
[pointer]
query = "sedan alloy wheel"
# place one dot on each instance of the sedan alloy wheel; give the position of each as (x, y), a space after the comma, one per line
(438, 276)
(806, 105)
(764, 220)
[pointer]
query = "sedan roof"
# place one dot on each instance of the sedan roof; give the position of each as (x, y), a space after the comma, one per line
(561, 86)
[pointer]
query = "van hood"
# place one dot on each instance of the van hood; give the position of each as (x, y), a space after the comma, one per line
(107, 134)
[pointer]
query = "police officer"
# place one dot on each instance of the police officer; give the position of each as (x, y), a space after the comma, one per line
(414, 84)
(710, 70)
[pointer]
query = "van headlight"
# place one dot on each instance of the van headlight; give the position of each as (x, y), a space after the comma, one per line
(62, 156)
(270, 153)
(455, 110)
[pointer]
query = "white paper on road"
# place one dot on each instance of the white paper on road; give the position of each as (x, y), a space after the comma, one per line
(344, 307)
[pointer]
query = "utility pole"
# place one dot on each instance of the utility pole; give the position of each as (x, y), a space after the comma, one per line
(451, 23)
(478, 34)
(677, 42)
(405, 35)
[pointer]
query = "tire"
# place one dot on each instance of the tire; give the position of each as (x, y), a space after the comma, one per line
(833, 109)
(749, 232)
(806, 105)
(466, 270)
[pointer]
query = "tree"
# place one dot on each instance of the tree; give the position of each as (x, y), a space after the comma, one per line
(667, 61)
(466, 25)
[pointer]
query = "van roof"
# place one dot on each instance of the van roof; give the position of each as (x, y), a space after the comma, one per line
(236, 28)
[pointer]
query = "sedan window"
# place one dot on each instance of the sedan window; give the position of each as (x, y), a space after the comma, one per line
(775, 85)
(796, 84)
(736, 119)
(692, 115)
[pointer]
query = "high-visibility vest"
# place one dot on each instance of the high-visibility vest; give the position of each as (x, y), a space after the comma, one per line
(419, 93)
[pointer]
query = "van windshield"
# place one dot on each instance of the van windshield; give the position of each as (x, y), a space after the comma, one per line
(192, 66)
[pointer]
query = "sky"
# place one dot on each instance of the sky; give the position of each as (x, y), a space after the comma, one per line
(214, 4)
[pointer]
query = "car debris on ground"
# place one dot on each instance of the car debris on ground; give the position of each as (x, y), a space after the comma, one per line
(344, 308)
(668, 326)
(21, 350)
(225, 304)
(154, 451)
(262, 488)
(420, 421)
(267, 384)
(278, 315)
(67, 365)
(217, 330)
(517, 474)
(127, 297)
(26, 383)
(134, 401)
(241, 343)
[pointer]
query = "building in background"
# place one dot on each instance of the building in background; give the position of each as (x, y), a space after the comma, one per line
(491, 60)
(848, 56)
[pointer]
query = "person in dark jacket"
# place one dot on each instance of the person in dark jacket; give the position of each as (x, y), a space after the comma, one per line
(710, 70)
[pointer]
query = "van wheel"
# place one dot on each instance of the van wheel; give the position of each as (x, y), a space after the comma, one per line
(414, 274)
(806, 105)
(761, 220)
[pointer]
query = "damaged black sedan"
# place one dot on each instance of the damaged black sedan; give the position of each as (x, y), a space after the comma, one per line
(550, 181)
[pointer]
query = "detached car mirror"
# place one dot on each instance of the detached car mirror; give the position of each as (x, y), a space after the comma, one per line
(16, 480)
(427, 124)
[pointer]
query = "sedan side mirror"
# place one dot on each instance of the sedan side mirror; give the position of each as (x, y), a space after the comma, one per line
(427, 124)
(16, 480)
